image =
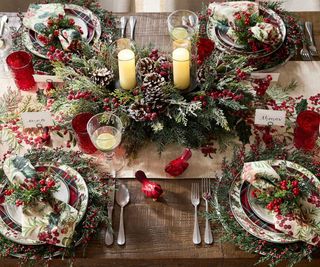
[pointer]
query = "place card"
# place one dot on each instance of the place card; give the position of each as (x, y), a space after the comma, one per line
(270, 117)
(47, 78)
(260, 75)
(36, 119)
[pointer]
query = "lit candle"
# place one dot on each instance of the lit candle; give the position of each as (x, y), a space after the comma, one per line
(181, 68)
(127, 69)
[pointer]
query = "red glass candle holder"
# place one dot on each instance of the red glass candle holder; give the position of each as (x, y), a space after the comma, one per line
(307, 130)
(79, 125)
(20, 65)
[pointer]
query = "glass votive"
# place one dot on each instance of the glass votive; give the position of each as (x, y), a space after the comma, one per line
(307, 130)
(183, 24)
(20, 65)
(79, 126)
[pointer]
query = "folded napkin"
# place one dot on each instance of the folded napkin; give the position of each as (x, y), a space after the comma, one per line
(303, 224)
(38, 14)
(226, 11)
(53, 222)
(266, 33)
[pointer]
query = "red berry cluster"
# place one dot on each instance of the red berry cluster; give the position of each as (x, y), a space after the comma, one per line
(111, 104)
(275, 205)
(55, 54)
(163, 66)
(46, 184)
(241, 75)
(50, 237)
(81, 95)
(262, 85)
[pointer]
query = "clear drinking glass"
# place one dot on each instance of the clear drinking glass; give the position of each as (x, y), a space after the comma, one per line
(183, 25)
(105, 131)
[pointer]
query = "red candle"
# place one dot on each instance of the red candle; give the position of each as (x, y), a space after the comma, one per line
(79, 125)
(20, 65)
(307, 130)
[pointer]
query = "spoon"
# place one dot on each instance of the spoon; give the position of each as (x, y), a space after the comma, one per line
(122, 198)
(123, 25)
(3, 21)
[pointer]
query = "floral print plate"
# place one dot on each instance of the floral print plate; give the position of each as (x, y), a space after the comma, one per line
(78, 199)
(246, 216)
(35, 46)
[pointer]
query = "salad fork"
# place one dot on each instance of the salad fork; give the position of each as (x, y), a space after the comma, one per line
(206, 195)
(312, 47)
(195, 200)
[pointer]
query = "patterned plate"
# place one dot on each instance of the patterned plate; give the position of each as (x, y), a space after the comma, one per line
(246, 216)
(217, 33)
(78, 198)
(88, 18)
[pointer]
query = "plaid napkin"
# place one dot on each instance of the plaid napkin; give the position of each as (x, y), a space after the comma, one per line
(53, 222)
(303, 224)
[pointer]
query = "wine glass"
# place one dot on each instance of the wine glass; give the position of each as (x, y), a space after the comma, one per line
(183, 25)
(105, 131)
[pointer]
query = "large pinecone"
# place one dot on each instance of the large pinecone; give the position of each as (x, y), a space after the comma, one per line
(153, 93)
(102, 76)
(137, 111)
(203, 72)
(145, 66)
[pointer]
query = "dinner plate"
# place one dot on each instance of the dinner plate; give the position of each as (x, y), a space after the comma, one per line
(83, 17)
(74, 190)
(254, 220)
(217, 33)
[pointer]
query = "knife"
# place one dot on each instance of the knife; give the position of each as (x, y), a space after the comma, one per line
(108, 239)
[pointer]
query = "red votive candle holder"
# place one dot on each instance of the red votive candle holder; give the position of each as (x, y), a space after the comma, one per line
(307, 130)
(20, 65)
(79, 125)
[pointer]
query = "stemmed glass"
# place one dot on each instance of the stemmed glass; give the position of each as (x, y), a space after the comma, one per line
(105, 131)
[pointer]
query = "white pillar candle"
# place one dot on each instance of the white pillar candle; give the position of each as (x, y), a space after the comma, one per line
(181, 68)
(127, 69)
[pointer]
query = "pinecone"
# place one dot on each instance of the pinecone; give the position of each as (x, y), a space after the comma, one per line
(145, 66)
(102, 76)
(137, 111)
(152, 80)
(203, 72)
(153, 93)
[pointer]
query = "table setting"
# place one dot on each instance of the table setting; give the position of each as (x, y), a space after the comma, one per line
(201, 147)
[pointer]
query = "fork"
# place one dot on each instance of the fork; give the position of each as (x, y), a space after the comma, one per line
(206, 195)
(304, 52)
(195, 200)
(312, 47)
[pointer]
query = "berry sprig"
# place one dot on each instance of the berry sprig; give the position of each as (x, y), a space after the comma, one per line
(261, 85)
(31, 191)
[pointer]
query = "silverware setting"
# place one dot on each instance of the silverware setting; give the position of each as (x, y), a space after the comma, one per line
(109, 233)
(123, 26)
(195, 200)
(206, 195)
(122, 198)
(312, 47)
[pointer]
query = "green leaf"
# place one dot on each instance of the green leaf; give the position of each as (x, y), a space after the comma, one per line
(301, 106)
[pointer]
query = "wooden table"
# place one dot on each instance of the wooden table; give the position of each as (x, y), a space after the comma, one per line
(160, 233)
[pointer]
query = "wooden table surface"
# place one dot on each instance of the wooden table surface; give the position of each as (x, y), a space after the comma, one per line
(160, 233)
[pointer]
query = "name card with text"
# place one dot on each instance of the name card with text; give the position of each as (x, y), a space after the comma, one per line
(36, 119)
(270, 117)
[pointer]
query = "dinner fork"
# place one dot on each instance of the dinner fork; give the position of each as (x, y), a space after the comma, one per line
(312, 47)
(195, 200)
(304, 52)
(206, 195)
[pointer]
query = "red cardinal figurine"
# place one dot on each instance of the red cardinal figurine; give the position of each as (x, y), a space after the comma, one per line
(150, 189)
(179, 165)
